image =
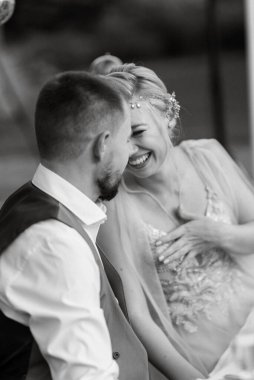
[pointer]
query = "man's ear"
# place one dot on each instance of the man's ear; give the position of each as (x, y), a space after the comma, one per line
(101, 144)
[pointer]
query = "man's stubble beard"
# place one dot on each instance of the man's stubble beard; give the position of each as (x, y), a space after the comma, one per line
(108, 185)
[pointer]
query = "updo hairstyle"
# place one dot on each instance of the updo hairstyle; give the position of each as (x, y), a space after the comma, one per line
(140, 81)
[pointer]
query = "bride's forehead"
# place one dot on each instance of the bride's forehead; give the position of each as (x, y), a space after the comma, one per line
(140, 115)
(140, 108)
(144, 111)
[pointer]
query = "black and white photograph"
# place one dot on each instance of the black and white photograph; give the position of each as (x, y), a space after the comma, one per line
(127, 190)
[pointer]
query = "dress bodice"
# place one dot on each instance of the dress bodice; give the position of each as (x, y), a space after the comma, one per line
(197, 285)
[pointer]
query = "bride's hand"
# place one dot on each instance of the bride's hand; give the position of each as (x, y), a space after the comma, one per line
(196, 235)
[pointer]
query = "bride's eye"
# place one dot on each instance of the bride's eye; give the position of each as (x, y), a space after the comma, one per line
(137, 132)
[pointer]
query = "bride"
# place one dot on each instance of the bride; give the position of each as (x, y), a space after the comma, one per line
(180, 233)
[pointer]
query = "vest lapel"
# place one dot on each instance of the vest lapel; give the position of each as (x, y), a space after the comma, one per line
(67, 217)
(102, 261)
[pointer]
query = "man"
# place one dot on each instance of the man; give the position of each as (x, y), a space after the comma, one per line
(55, 300)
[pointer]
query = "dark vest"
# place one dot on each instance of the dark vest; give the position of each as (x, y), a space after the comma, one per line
(28, 206)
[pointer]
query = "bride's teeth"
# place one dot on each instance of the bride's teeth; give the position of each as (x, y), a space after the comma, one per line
(139, 160)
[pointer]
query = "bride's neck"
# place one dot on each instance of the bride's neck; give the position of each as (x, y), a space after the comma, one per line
(165, 181)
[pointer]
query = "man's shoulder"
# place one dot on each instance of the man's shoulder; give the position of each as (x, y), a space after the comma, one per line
(53, 232)
(49, 237)
(49, 246)
(51, 229)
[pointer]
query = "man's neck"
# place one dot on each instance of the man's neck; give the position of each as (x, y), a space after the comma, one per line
(83, 181)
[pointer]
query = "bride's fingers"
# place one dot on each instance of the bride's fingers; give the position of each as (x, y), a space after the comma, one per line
(170, 237)
(161, 249)
(172, 252)
(193, 253)
(178, 256)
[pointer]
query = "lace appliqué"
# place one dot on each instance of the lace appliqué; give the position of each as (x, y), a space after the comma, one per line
(198, 284)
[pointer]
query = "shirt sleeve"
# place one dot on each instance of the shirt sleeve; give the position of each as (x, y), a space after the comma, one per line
(57, 286)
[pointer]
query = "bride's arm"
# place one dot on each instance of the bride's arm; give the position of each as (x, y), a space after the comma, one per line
(237, 239)
(160, 351)
(199, 234)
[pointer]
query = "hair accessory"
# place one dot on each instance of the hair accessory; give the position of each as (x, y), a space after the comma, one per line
(138, 105)
(173, 107)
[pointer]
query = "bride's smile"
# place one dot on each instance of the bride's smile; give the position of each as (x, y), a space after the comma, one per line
(139, 161)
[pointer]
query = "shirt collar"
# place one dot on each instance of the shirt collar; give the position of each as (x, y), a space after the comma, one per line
(67, 194)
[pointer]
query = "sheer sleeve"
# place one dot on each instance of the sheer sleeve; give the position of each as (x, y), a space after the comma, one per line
(225, 176)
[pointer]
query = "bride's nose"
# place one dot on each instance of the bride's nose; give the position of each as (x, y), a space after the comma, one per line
(133, 149)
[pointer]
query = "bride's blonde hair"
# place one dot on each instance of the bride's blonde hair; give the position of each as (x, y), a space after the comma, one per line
(143, 82)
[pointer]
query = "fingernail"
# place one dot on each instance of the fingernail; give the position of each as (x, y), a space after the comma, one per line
(166, 261)
(161, 258)
(158, 242)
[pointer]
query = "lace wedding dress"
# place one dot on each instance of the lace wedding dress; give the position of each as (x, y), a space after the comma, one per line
(202, 303)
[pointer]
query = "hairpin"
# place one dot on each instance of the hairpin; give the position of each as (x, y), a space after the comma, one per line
(138, 105)
(173, 106)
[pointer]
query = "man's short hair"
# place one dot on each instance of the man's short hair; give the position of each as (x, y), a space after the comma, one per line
(72, 108)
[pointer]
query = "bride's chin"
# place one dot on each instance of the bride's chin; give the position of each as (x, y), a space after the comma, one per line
(139, 173)
(136, 171)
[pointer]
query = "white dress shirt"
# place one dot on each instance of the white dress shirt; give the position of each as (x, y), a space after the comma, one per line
(49, 281)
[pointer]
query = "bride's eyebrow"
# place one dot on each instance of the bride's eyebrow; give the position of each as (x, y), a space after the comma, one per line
(137, 125)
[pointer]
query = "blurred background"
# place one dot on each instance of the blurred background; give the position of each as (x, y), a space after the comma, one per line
(198, 48)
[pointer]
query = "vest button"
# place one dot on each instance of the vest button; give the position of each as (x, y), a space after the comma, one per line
(116, 355)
